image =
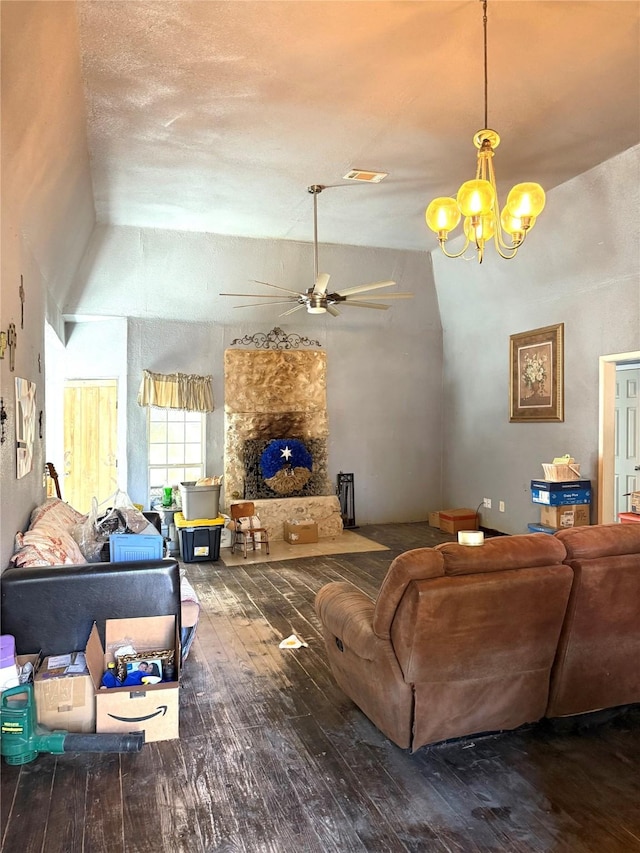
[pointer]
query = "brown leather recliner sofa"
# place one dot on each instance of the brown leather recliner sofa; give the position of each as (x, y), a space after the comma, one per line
(463, 640)
(598, 659)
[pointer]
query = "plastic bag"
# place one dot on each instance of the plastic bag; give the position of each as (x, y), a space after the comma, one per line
(117, 514)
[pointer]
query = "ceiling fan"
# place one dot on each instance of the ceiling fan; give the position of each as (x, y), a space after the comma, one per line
(317, 299)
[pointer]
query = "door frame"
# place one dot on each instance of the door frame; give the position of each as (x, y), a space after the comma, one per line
(606, 431)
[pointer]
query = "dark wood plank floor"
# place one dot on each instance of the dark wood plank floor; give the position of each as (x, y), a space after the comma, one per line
(273, 757)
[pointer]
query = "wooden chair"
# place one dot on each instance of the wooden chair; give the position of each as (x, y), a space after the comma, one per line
(243, 533)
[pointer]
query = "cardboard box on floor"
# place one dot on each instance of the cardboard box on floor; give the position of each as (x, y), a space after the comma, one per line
(64, 700)
(300, 532)
(151, 708)
(434, 519)
(453, 520)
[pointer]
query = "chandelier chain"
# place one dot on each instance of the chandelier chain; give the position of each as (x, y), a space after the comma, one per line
(486, 76)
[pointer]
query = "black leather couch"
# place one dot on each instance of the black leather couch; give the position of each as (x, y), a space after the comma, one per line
(52, 608)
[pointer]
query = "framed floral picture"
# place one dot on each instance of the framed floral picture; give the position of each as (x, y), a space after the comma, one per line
(536, 368)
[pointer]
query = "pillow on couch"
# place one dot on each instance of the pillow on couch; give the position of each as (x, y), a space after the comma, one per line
(43, 546)
(48, 541)
(56, 513)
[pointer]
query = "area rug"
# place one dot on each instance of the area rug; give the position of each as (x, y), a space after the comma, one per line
(347, 543)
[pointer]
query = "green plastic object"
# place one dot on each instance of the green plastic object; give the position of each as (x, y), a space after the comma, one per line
(21, 738)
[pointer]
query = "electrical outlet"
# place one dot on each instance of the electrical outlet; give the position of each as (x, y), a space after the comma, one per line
(501, 506)
(486, 503)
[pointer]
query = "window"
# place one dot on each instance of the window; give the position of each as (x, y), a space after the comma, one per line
(176, 442)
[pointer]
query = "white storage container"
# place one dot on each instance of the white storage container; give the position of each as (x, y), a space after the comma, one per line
(199, 501)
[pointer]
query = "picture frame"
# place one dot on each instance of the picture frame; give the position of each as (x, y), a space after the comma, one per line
(162, 659)
(25, 425)
(536, 375)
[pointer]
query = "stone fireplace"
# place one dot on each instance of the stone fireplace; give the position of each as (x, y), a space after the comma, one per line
(276, 430)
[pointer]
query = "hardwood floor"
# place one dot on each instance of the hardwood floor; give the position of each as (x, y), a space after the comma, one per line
(273, 757)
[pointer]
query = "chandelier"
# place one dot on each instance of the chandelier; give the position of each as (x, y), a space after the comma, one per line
(477, 200)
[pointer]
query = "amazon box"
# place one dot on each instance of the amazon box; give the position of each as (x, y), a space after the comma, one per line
(150, 708)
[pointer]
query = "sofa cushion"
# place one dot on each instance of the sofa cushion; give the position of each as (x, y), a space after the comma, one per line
(500, 553)
(417, 564)
(602, 540)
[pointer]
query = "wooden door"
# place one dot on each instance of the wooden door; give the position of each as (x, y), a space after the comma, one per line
(627, 436)
(90, 441)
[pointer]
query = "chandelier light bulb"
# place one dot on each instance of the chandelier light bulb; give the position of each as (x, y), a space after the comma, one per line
(526, 200)
(480, 228)
(442, 215)
(514, 225)
(476, 198)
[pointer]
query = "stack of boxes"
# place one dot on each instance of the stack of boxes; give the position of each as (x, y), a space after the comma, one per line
(563, 503)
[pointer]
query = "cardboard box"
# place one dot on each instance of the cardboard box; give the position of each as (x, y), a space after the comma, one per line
(434, 519)
(151, 708)
(453, 520)
(564, 498)
(65, 699)
(560, 485)
(634, 502)
(565, 516)
(300, 532)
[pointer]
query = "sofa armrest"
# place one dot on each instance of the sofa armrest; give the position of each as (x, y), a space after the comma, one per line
(348, 614)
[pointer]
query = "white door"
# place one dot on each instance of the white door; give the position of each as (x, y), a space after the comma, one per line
(627, 436)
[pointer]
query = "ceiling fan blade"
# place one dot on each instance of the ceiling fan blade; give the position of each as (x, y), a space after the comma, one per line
(366, 304)
(263, 305)
(333, 311)
(391, 296)
(254, 295)
(277, 286)
(321, 283)
(360, 288)
(291, 310)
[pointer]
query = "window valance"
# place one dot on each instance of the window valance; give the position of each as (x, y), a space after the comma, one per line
(176, 391)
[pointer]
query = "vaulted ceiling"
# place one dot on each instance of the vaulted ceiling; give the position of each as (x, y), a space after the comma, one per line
(217, 116)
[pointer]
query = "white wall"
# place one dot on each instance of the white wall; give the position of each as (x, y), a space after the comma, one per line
(580, 266)
(47, 214)
(384, 380)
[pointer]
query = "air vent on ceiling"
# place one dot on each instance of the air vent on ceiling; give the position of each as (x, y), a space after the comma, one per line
(364, 175)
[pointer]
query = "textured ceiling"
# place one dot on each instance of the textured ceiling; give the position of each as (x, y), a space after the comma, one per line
(217, 116)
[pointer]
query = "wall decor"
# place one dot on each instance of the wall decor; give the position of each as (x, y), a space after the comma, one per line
(3, 417)
(275, 339)
(21, 294)
(25, 425)
(12, 342)
(536, 380)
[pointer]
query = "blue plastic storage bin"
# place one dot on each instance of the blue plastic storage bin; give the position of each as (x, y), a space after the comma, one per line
(127, 547)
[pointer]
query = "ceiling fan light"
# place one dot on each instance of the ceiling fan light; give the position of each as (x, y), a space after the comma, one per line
(316, 309)
(526, 200)
(442, 215)
(476, 198)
